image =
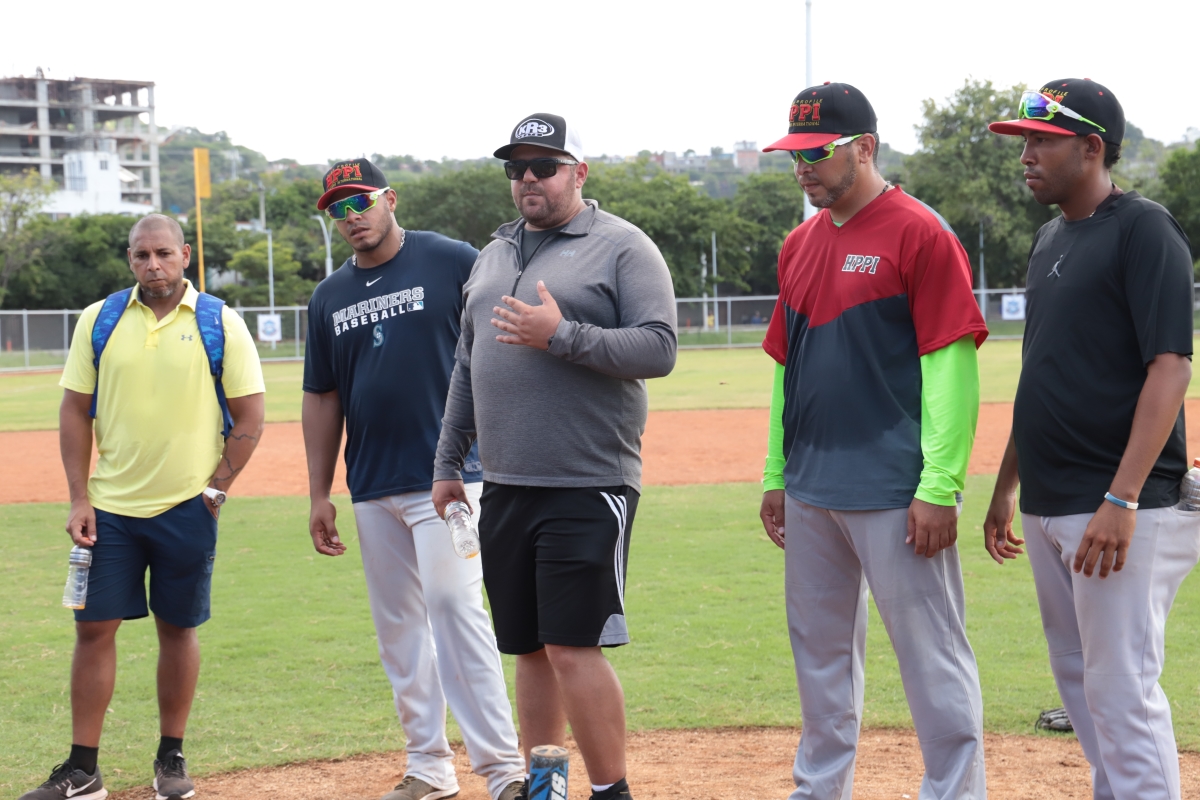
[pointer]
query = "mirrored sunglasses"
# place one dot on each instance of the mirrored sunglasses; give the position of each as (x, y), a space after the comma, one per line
(358, 203)
(811, 155)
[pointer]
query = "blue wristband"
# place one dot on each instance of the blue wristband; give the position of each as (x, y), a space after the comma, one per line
(1112, 498)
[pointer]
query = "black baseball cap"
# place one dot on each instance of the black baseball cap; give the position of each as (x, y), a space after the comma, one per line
(823, 113)
(357, 173)
(544, 130)
(1087, 99)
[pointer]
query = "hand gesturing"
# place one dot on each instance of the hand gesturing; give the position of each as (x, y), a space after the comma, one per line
(525, 324)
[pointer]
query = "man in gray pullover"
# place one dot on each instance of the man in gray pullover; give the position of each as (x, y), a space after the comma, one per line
(565, 315)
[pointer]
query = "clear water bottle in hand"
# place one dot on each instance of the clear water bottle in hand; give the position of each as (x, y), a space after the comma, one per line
(75, 593)
(462, 529)
(1189, 490)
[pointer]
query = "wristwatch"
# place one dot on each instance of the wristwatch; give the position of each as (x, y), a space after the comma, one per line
(216, 496)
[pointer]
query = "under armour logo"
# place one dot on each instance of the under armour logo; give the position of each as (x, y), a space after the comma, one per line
(1054, 273)
(185, 337)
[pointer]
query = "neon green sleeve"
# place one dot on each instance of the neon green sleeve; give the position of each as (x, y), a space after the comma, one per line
(773, 472)
(949, 412)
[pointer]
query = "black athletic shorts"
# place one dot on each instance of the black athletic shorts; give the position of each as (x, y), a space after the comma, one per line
(554, 564)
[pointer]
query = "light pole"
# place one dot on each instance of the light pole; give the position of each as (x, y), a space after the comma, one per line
(809, 210)
(328, 247)
(262, 225)
(716, 307)
(982, 276)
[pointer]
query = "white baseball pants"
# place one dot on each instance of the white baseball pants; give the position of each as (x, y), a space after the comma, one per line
(435, 640)
(1106, 641)
(832, 557)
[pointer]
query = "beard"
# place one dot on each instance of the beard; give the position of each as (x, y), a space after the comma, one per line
(166, 291)
(835, 193)
(549, 213)
(373, 240)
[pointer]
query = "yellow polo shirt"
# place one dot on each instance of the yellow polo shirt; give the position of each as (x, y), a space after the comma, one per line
(158, 423)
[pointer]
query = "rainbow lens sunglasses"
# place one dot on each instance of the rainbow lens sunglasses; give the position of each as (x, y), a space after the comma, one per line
(542, 167)
(811, 155)
(358, 203)
(1035, 105)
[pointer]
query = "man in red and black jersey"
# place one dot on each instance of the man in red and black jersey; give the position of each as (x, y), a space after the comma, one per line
(873, 416)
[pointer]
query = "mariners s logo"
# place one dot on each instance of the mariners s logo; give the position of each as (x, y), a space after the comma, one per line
(377, 335)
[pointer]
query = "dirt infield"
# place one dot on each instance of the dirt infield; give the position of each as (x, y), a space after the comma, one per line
(680, 447)
(728, 764)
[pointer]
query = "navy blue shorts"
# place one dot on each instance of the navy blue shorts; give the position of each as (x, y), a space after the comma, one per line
(179, 546)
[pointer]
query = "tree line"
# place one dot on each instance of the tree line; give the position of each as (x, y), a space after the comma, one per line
(967, 174)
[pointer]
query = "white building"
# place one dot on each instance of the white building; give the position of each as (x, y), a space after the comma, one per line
(95, 137)
(95, 183)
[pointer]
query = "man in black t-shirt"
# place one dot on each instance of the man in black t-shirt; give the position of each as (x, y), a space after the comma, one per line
(382, 332)
(1098, 436)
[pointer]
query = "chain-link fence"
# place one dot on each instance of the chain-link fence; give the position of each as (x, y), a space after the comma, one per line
(40, 339)
(32, 340)
(724, 321)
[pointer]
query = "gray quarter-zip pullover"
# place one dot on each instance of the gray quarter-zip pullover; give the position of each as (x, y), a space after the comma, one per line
(573, 415)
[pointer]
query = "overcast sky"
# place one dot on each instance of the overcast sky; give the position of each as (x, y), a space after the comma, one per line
(314, 81)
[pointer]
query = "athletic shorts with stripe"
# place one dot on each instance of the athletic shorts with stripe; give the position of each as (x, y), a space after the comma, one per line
(554, 564)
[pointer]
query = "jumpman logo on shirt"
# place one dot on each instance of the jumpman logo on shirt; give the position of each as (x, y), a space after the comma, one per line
(1054, 273)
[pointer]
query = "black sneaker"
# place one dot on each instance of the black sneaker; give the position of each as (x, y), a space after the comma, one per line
(171, 781)
(618, 791)
(68, 783)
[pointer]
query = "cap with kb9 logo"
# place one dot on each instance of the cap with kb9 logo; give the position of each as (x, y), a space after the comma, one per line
(544, 130)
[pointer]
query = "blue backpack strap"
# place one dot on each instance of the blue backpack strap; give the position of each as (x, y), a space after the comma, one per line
(212, 334)
(106, 322)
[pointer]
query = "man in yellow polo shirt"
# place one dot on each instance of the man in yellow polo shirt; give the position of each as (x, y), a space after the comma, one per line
(164, 467)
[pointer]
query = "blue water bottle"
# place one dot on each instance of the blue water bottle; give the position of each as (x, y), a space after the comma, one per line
(548, 772)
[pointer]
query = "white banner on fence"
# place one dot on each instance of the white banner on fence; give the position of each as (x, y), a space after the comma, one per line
(1012, 307)
(270, 328)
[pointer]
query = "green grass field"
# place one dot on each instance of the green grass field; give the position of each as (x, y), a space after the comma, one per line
(290, 666)
(291, 673)
(738, 378)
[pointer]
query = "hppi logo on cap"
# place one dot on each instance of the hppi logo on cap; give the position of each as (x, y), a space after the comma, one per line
(343, 174)
(533, 127)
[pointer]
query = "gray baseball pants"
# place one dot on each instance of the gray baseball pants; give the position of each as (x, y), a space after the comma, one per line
(435, 641)
(1106, 641)
(832, 557)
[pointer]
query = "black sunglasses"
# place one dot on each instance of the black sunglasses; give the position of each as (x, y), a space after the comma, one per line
(542, 167)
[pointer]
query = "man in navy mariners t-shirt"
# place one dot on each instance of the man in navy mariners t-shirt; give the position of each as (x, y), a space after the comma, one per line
(382, 331)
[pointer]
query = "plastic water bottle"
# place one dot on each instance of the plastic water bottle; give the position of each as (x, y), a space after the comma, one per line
(75, 593)
(462, 529)
(1189, 490)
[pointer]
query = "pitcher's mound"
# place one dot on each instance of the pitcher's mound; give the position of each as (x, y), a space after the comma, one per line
(724, 764)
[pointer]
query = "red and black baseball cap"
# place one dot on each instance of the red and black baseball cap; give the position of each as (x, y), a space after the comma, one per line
(1087, 99)
(357, 173)
(823, 113)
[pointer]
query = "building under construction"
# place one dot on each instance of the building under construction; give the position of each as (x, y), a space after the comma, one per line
(96, 138)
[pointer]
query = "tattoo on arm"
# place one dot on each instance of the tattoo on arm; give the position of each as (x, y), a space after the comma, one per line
(243, 437)
(232, 470)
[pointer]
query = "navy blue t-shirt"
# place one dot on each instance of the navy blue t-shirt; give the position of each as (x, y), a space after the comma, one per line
(384, 338)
